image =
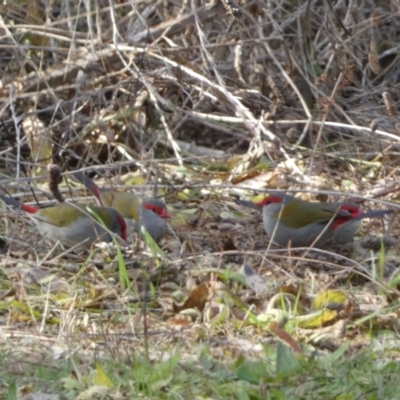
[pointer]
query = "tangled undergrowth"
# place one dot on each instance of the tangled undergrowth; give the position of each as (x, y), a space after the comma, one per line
(200, 104)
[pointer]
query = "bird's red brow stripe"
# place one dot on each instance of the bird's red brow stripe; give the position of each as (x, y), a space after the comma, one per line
(269, 200)
(29, 209)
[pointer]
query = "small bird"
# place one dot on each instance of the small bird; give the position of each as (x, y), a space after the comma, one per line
(151, 214)
(72, 224)
(287, 220)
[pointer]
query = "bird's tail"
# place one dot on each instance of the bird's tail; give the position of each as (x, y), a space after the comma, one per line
(89, 184)
(16, 204)
(374, 213)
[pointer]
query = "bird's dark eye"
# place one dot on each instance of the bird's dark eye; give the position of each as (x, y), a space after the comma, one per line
(150, 207)
(350, 209)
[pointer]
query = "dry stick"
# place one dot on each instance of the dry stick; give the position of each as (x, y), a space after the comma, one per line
(247, 117)
(80, 85)
(321, 128)
(21, 50)
(153, 98)
(292, 84)
(303, 102)
(295, 88)
(256, 148)
(354, 127)
(18, 137)
(337, 19)
(57, 76)
(202, 15)
(178, 25)
(16, 150)
(179, 16)
(17, 129)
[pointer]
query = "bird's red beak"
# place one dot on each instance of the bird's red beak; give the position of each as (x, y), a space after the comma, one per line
(165, 214)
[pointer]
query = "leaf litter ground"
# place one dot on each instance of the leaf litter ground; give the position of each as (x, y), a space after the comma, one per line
(204, 105)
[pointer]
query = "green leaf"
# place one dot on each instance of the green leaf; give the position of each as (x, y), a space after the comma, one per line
(287, 362)
(123, 274)
(12, 391)
(252, 371)
(153, 246)
(162, 373)
(337, 354)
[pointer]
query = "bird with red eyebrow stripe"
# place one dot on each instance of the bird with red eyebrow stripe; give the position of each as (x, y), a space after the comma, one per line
(151, 213)
(289, 220)
(72, 224)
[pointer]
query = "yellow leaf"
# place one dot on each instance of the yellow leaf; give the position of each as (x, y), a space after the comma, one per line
(101, 378)
(328, 298)
(316, 320)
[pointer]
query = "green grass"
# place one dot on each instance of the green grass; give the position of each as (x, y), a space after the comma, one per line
(277, 373)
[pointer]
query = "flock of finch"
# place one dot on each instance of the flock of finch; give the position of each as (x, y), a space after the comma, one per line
(288, 221)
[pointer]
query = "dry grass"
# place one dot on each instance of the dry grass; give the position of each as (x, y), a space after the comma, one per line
(200, 103)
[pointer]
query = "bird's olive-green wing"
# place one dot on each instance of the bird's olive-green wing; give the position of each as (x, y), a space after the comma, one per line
(65, 214)
(126, 203)
(61, 215)
(301, 213)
